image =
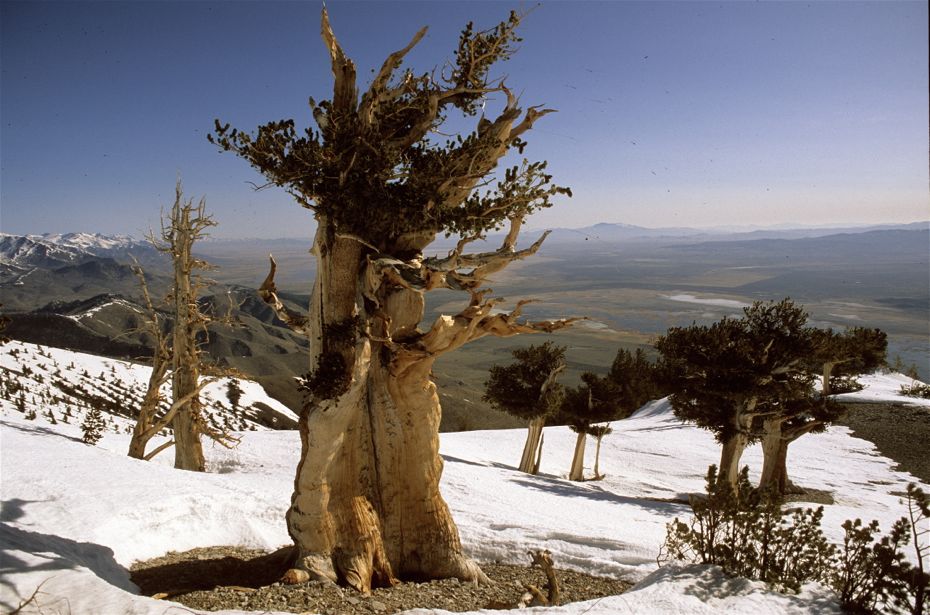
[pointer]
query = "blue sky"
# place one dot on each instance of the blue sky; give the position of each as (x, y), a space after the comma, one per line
(696, 114)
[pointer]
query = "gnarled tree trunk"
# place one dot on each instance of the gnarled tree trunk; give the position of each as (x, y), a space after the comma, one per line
(185, 375)
(366, 507)
(735, 444)
(774, 452)
(775, 456)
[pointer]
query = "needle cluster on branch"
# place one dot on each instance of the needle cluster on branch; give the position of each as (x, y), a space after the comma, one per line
(371, 167)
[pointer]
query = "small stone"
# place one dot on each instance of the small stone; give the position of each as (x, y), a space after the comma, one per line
(377, 606)
(353, 600)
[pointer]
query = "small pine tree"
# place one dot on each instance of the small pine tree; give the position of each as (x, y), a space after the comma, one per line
(233, 392)
(93, 426)
(527, 389)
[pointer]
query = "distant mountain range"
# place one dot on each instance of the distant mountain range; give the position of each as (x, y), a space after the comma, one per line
(48, 250)
(611, 232)
(51, 250)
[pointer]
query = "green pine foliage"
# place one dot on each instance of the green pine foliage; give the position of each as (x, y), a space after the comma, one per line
(93, 426)
(517, 388)
(373, 167)
(632, 381)
(844, 355)
(639, 379)
(747, 533)
(596, 400)
(233, 392)
(869, 569)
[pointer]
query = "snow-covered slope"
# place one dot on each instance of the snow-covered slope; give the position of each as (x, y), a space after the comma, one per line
(75, 516)
(62, 386)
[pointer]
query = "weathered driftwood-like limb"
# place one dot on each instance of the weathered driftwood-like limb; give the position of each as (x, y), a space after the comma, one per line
(476, 321)
(345, 92)
(269, 294)
(432, 273)
(379, 92)
(158, 449)
(534, 597)
(146, 422)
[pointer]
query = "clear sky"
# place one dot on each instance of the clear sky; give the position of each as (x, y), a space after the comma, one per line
(690, 114)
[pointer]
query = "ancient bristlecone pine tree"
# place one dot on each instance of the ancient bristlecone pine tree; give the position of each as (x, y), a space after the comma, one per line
(366, 508)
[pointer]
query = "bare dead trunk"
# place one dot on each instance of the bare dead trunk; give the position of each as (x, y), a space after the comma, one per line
(532, 450)
(146, 425)
(577, 470)
(188, 453)
(597, 458)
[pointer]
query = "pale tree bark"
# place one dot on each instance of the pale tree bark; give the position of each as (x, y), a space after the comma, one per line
(735, 444)
(366, 507)
(181, 227)
(599, 433)
(147, 424)
(597, 458)
(577, 469)
(773, 445)
(775, 442)
(532, 450)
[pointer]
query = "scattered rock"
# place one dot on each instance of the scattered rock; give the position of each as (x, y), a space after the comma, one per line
(205, 582)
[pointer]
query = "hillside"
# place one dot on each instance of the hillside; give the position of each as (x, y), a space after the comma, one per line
(52, 485)
(62, 386)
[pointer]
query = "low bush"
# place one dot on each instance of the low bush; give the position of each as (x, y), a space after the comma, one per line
(916, 389)
(746, 532)
(749, 534)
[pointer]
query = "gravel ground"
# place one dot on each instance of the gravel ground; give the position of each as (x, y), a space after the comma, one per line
(900, 431)
(218, 578)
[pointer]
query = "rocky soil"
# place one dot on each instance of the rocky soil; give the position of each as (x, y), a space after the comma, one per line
(899, 431)
(219, 578)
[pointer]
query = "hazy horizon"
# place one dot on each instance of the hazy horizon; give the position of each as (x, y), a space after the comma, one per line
(734, 229)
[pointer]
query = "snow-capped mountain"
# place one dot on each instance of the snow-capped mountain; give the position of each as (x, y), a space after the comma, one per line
(54, 250)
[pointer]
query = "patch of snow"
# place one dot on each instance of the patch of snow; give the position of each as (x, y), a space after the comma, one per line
(727, 303)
